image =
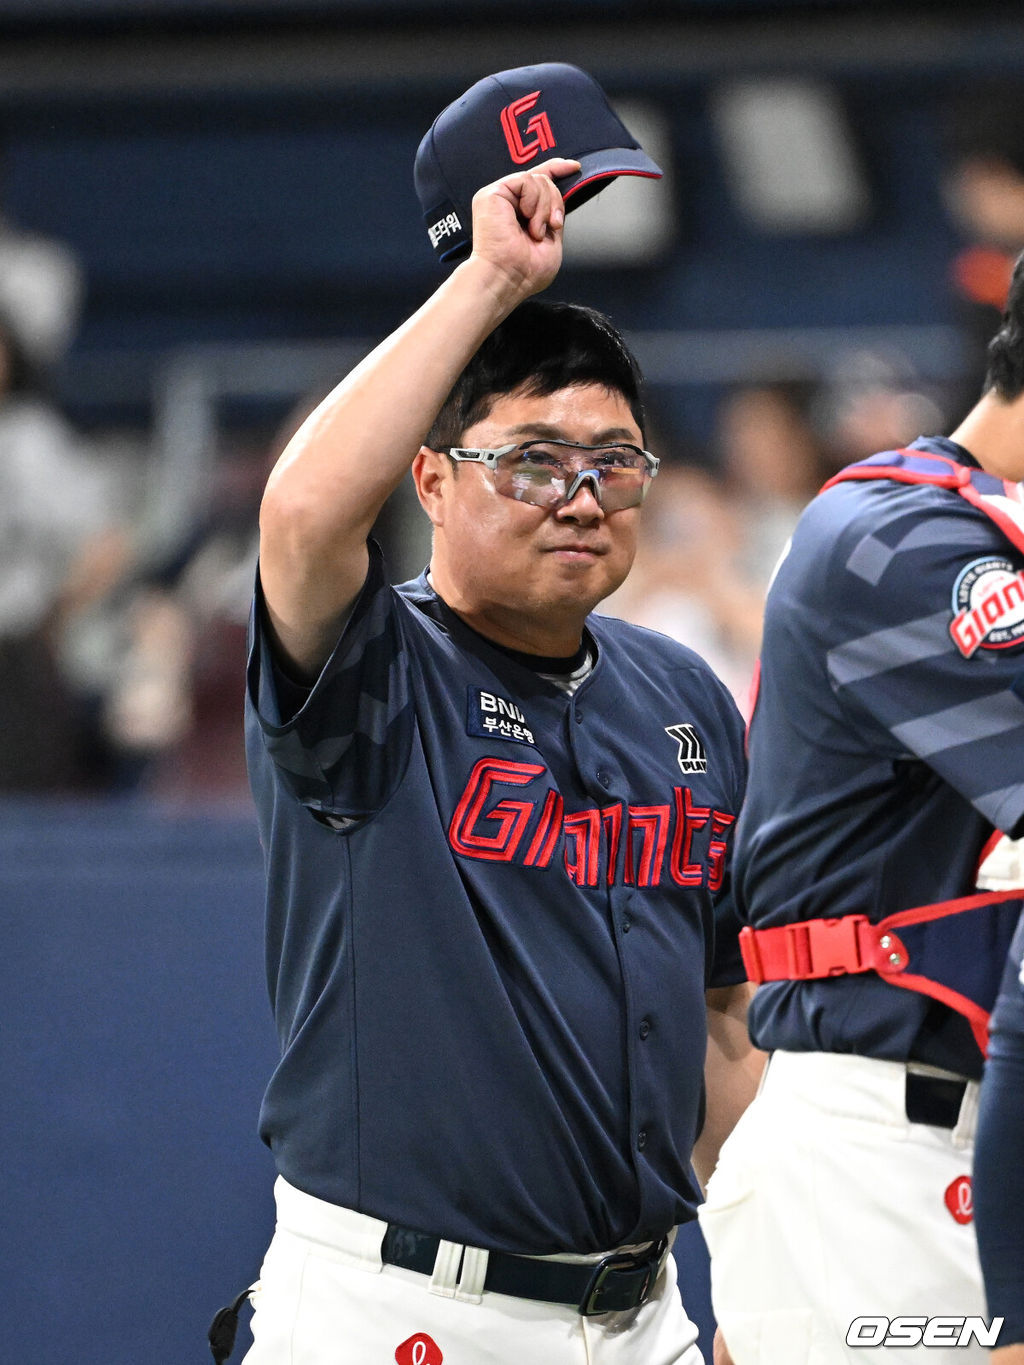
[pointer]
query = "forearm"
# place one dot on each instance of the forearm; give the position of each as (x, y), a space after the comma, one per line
(355, 447)
(999, 1193)
(335, 474)
(732, 1071)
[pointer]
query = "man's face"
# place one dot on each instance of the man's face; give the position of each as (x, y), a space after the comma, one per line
(496, 558)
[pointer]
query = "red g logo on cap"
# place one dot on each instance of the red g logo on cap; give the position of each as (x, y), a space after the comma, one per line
(419, 1350)
(543, 139)
(960, 1199)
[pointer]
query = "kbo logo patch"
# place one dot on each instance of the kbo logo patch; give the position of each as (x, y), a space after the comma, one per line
(988, 606)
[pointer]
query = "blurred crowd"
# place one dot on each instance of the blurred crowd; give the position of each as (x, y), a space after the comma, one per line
(122, 655)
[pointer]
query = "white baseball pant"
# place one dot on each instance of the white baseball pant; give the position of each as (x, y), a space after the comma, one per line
(325, 1298)
(829, 1205)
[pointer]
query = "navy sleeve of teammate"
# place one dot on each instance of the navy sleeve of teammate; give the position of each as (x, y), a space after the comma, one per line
(727, 964)
(998, 1168)
(727, 968)
(344, 749)
(949, 696)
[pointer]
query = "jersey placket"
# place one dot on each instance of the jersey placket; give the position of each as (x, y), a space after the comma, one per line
(599, 775)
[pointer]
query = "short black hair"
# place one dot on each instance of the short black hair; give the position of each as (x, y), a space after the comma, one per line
(540, 348)
(1005, 372)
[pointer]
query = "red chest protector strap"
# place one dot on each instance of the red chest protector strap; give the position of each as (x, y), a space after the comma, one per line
(811, 950)
(999, 499)
(912, 948)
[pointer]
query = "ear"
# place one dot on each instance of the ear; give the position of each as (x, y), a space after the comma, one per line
(431, 472)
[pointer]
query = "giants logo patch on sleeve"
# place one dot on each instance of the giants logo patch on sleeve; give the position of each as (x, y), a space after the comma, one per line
(494, 717)
(988, 606)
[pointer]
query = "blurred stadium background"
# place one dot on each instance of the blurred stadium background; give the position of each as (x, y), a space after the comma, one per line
(206, 216)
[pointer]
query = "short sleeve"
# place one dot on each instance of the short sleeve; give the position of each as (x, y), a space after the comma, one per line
(727, 967)
(947, 689)
(344, 751)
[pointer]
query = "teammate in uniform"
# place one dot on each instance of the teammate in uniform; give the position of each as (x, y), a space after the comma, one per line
(998, 1168)
(875, 868)
(496, 830)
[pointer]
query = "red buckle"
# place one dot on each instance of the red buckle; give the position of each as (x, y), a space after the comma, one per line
(834, 946)
(808, 949)
(751, 956)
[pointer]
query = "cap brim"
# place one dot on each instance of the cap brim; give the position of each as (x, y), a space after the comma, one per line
(598, 168)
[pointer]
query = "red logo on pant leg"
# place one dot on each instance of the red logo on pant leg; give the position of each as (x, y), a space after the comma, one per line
(543, 139)
(419, 1350)
(960, 1199)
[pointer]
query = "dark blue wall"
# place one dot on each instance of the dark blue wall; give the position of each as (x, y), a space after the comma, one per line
(136, 1044)
(291, 216)
(137, 1196)
(283, 217)
(243, 180)
(247, 182)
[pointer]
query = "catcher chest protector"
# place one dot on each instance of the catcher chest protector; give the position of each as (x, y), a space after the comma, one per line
(952, 950)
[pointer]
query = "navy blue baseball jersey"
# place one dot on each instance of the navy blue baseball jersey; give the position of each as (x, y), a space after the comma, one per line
(886, 746)
(999, 1170)
(493, 910)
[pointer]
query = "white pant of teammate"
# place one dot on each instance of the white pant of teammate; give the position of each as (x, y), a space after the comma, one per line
(828, 1205)
(325, 1298)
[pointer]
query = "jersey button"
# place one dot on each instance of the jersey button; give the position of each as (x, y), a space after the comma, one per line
(604, 778)
(579, 716)
(645, 1028)
(627, 924)
(641, 1139)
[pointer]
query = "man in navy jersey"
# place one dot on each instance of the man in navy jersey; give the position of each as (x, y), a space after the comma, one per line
(878, 868)
(496, 831)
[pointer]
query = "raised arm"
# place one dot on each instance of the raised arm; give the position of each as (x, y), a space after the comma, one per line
(333, 477)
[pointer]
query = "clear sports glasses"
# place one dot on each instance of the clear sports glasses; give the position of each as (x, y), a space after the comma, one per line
(546, 474)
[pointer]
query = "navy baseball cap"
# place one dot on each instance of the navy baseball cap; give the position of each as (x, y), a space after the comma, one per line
(508, 122)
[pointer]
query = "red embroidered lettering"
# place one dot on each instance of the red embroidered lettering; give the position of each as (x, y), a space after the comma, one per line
(652, 823)
(543, 139)
(496, 830)
(611, 818)
(689, 819)
(511, 817)
(543, 843)
(582, 846)
(720, 823)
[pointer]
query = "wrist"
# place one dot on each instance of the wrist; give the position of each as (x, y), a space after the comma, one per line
(505, 287)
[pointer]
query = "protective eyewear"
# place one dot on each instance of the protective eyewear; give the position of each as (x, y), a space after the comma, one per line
(546, 474)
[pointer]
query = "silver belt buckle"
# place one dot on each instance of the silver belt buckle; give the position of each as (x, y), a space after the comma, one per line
(640, 1269)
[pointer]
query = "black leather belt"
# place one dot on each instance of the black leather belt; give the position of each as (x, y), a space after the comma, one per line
(619, 1281)
(934, 1099)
